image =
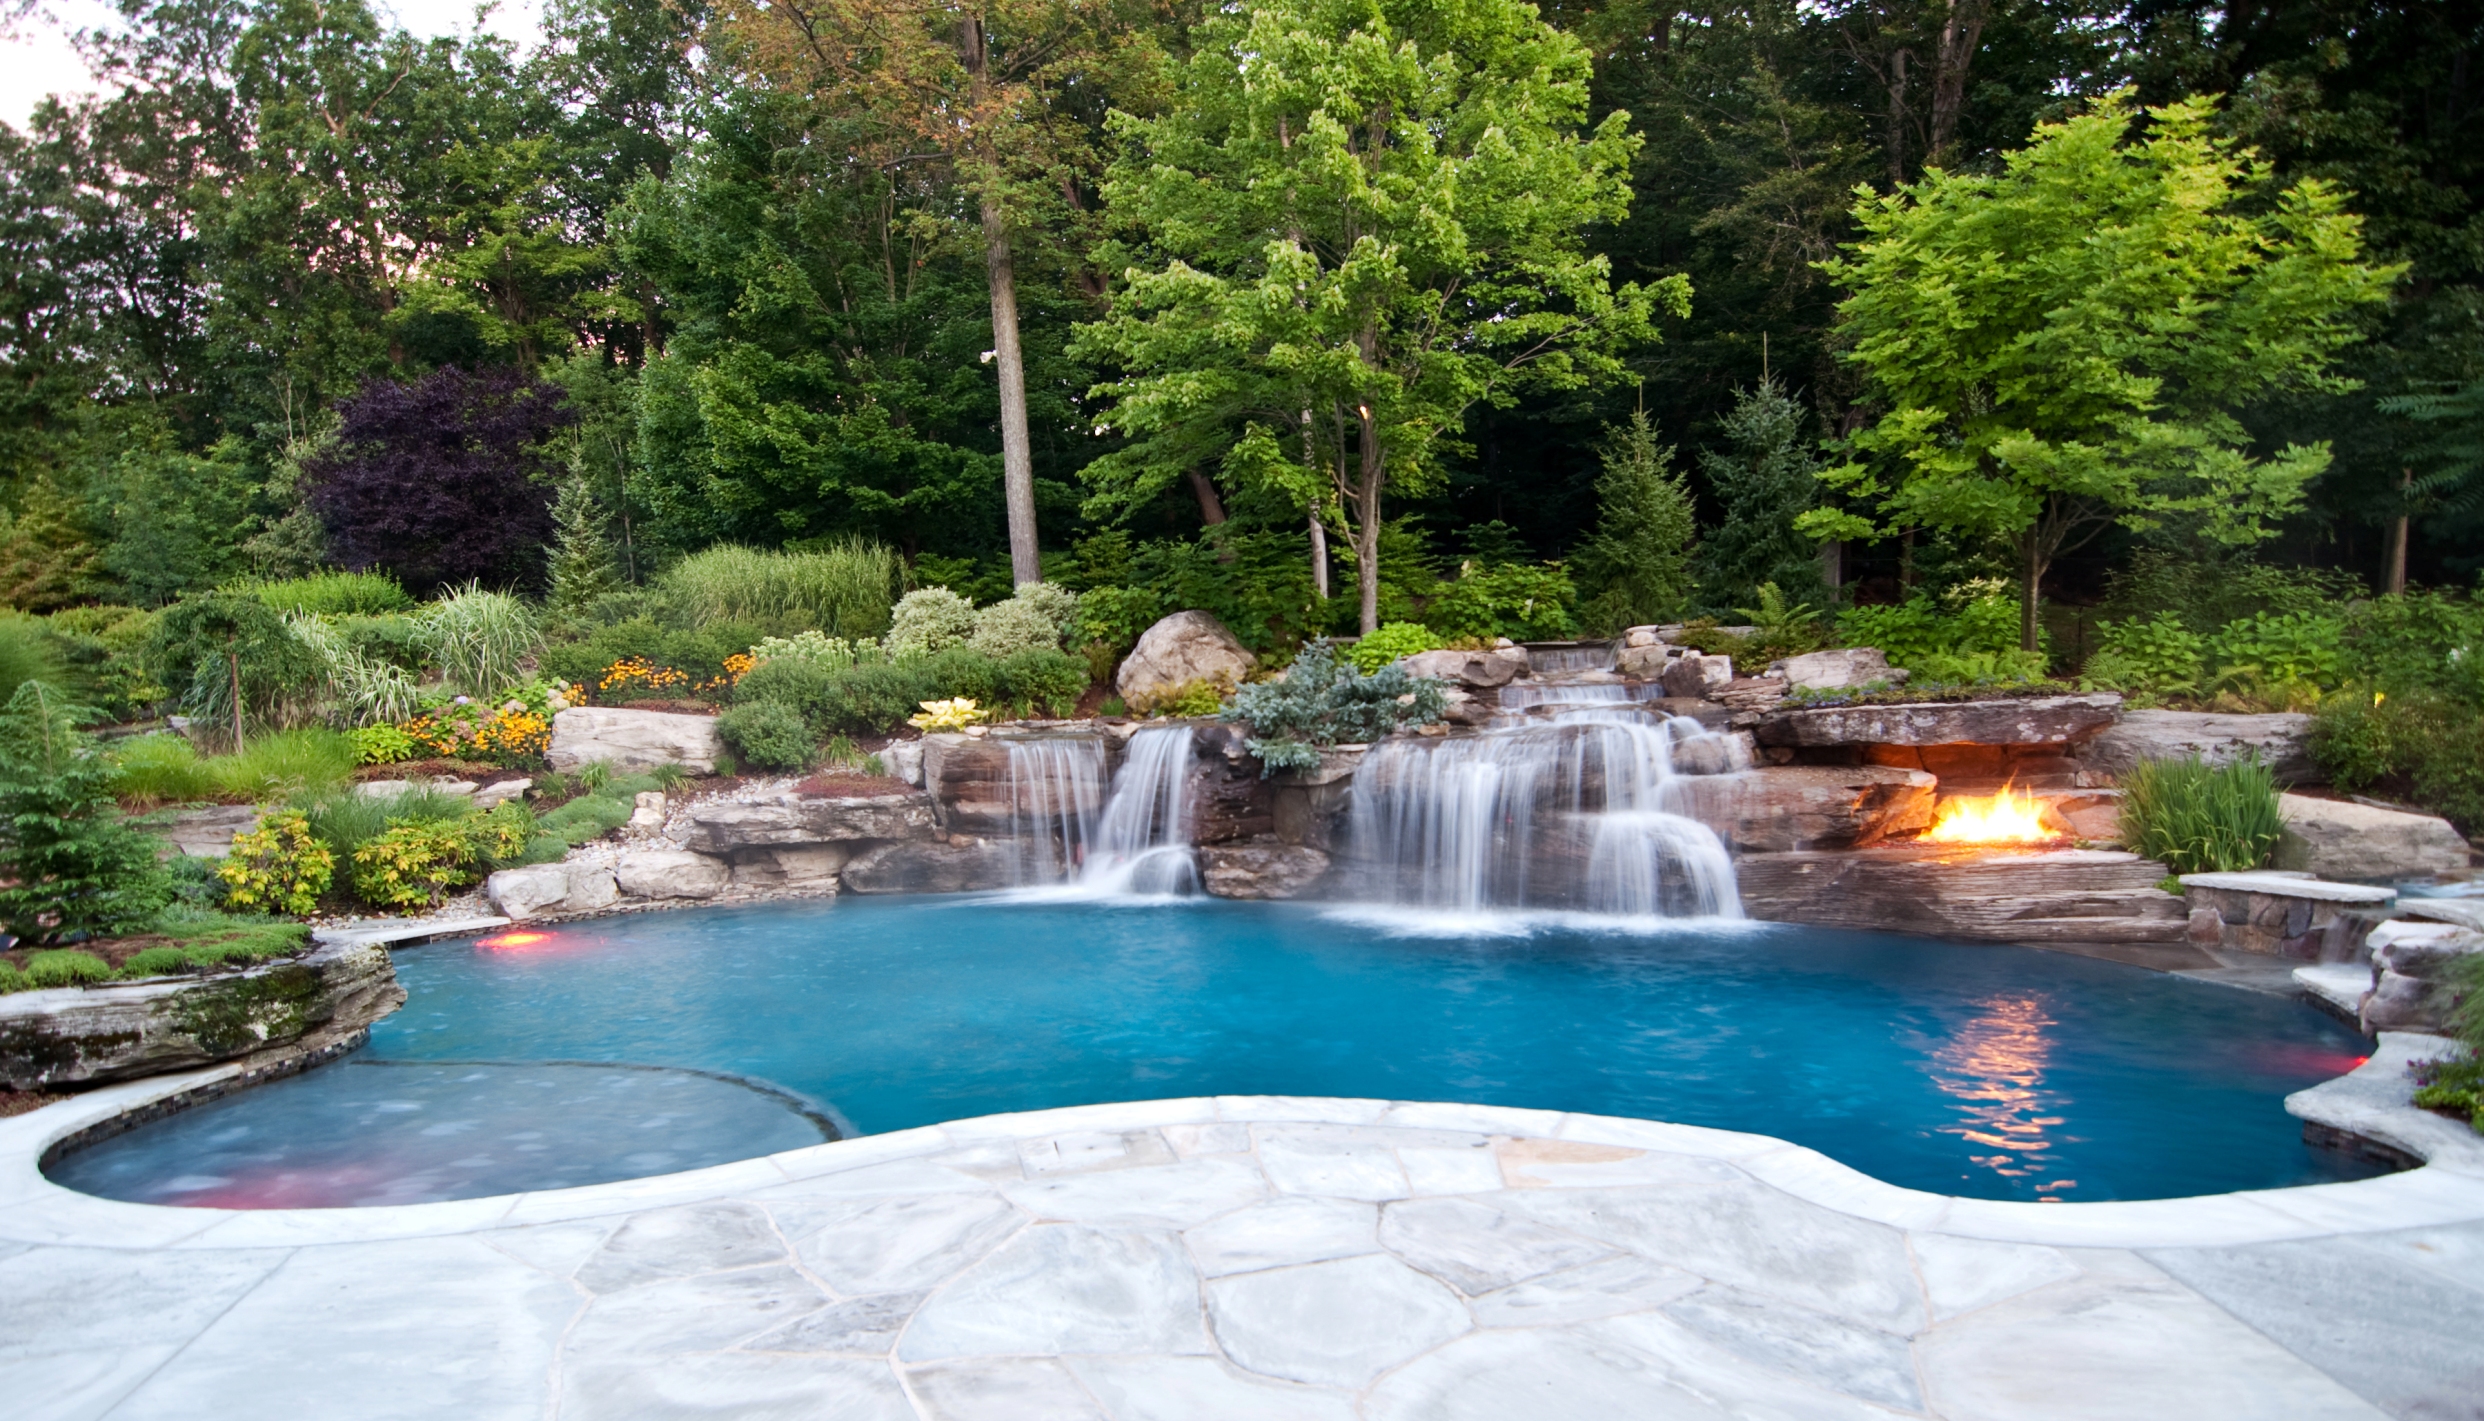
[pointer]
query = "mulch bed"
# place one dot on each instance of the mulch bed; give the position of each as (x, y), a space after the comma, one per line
(114, 951)
(475, 770)
(19, 1102)
(674, 707)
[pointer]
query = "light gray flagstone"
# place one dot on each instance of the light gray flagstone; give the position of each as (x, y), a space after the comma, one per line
(1010, 1389)
(858, 1325)
(905, 1176)
(671, 1243)
(1823, 1350)
(1526, 1376)
(1963, 1274)
(1626, 1283)
(732, 1386)
(1751, 1236)
(1201, 1389)
(1092, 1150)
(1724, 1377)
(1339, 1323)
(557, 1249)
(1477, 1248)
(693, 1314)
(1468, 1169)
(1063, 1288)
(1292, 1229)
(1585, 1164)
(1334, 1161)
(1170, 1196)
(898, 1245)
(76, 1386)
(1224, 1138)
(81, 1299)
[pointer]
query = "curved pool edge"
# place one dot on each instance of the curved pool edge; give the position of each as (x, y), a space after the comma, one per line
(2371, 1102)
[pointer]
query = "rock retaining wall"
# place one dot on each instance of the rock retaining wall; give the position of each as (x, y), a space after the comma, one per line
(1986, 895)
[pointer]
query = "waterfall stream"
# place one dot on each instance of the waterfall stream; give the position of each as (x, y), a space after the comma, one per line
(1072, 834)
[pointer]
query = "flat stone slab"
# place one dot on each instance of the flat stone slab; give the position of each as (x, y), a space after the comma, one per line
(2466, 912)
(2337, 983)
(2030, 720)
(2036, 897)
(1247, 1259)
(2279, 884)
(2338, 838)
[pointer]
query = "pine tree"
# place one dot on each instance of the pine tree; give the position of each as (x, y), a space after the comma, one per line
(1766, 482)
(48, 557)
(1638, 562)
(72, 862)
(582, 556)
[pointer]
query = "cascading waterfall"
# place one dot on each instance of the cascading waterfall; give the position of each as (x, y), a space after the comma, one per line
(1134, 841)
(1572, 813)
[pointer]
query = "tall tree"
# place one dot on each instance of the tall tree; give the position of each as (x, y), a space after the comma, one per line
(1353, 224)
(1636, 569)
(2061, 346)
(1765, 479)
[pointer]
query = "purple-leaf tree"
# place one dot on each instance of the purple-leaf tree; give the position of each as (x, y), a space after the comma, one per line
(442, 479)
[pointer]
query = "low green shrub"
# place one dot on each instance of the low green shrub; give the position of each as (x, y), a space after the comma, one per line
(27, 653)
(769, 734)
(66, 967)
(2156, 656)
(70, 862)
(103, 653)
(1323, 700)
(333, 594)
(1116, 617)
(1022, 623)
(1042, 682)
(2417, 641)
(699, 655)
(599, 808)
(1191, 698)
(12, 980)
(412, 864)
(1521, 601)
(2422, 746)
(1391, 642)
(1975, 616)
(2197, 818)
(279, 867)
(346, 819)
(929, 619)
(380, 744)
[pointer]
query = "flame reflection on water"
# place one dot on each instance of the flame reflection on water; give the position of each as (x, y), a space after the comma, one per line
(1994, 1066)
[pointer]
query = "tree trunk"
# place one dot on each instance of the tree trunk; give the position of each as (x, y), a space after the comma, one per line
(1895, 136)
(2393, 561)
(1026, 563)
(1367, 523)
(2031, 578)
(232, 659)
(1959, 36)
(1203, 488)
(1319, 556)
(1833, 565)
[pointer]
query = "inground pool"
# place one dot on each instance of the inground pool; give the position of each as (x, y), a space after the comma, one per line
(645, 1044)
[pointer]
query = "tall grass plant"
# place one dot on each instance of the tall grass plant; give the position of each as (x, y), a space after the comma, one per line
(845, 590)
(2199, 818)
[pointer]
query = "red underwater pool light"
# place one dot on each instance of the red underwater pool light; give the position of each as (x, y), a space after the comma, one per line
(518, 941)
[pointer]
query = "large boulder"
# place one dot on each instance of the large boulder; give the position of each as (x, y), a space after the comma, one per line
(804, 868)
(1184, 647)
(2017, 720)
(2413, 985)
(730, 827)
(208, 833)
(122, 1030)
(1697, 676)
(1477, 670)
(538, 889)
(2281, 741)
(2338, 838)
(1808, 806)
(1836, 670)
(633, 740)
(671, 873)
(1645, 661)
(1260, 868)
(939, 866)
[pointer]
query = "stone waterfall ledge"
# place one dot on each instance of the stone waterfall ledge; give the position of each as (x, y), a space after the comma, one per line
(2376, 1102)
(1286, 1259)
(2039, 898)
(2032, 720)
(121, 1030)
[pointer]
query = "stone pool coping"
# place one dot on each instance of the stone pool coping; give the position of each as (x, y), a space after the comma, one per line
(2371, 1103)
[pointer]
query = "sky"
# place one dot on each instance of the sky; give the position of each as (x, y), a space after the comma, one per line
(37, 59)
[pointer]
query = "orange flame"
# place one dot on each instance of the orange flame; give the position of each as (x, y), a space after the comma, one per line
(2004, 818)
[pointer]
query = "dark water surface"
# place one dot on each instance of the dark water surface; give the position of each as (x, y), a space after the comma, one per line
(1994, 1072)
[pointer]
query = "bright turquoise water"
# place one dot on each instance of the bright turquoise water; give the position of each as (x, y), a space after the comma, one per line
(1993, 1072)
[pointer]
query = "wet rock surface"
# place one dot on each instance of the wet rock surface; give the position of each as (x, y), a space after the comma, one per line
(1808, 806)
(936, 866)
(1261, 868)
(1987, 895)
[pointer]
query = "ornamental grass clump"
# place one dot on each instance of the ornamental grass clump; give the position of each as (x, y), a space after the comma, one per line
(2197, 818)
(844, 590)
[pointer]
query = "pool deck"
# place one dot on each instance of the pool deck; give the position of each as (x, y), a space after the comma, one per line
(1254, 1259)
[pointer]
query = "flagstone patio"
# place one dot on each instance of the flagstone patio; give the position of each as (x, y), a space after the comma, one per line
(1252, 1259)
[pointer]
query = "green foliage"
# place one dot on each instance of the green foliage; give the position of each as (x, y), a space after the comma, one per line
(1189, 699)
(65, 968)
(1931, 636)
(73, 864)
(2420, 746)
(816, 648)
(380, 744)
(27, 653)
(1054, 601)
(279, 867)
(167, 769)
(844, 589)
(1779, 627)
(232, 659)
(2456, 1086)
(2422, 641)
(412, 863)
(332, 594)
(1391, 642)
(929, 619)
(2297, 648)
(1020, 624)
(605, 804)
(2207, 592)
(1637, 564)
(361, 689)
(2063, 342)
(345, 820)
(2195, 818)
(481, 640)
(2158, 656)
(1767, 482)
(1255, 581)
(1116, 617)
(698, 654)
(103, 650)
(1521, 601)
(583, 565)
(1040, 682)
(1322, 700)
(769, 734)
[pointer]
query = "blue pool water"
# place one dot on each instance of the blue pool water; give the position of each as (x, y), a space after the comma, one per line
(1993, 1072)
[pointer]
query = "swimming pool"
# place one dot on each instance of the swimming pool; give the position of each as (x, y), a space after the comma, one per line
(644, 1044)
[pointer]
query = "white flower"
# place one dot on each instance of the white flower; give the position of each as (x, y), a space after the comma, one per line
(988, 355)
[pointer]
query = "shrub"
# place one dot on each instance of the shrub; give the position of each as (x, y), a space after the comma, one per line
(699, 655)
(1321, 700)
(1116, 617)
(769, 734)
(2296, 648)
(72, 863)
(2421, 641)
(930, 619)
(2195, 818)
(955, 714)
(27, 653)
(1191, 698)
(103, 651)
(844, 590)
(1042, 681)
(1779, 627)
(412, 864)
(65, 968)
(1007, 628)
(361, 689)
(817, 648)
(500, 834)
(332, 594)
(962, 672)
(279, 867)
(1054, 601)
(1521, 601)
(2423, 746)
(2158, 656)
(1393, 641)
(481, 640)
(380, 744)
(232, 660)
(345, 820)
(1975, 616)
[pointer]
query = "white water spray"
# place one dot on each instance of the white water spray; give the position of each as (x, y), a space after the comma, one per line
(1134, 842)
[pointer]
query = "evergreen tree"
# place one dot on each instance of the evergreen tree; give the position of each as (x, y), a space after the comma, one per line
(48, 557)
(582, 559)
(1638, 561)
(72, 863)
(1768, 480)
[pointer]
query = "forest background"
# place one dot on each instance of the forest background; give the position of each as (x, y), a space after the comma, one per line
(716, 279)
